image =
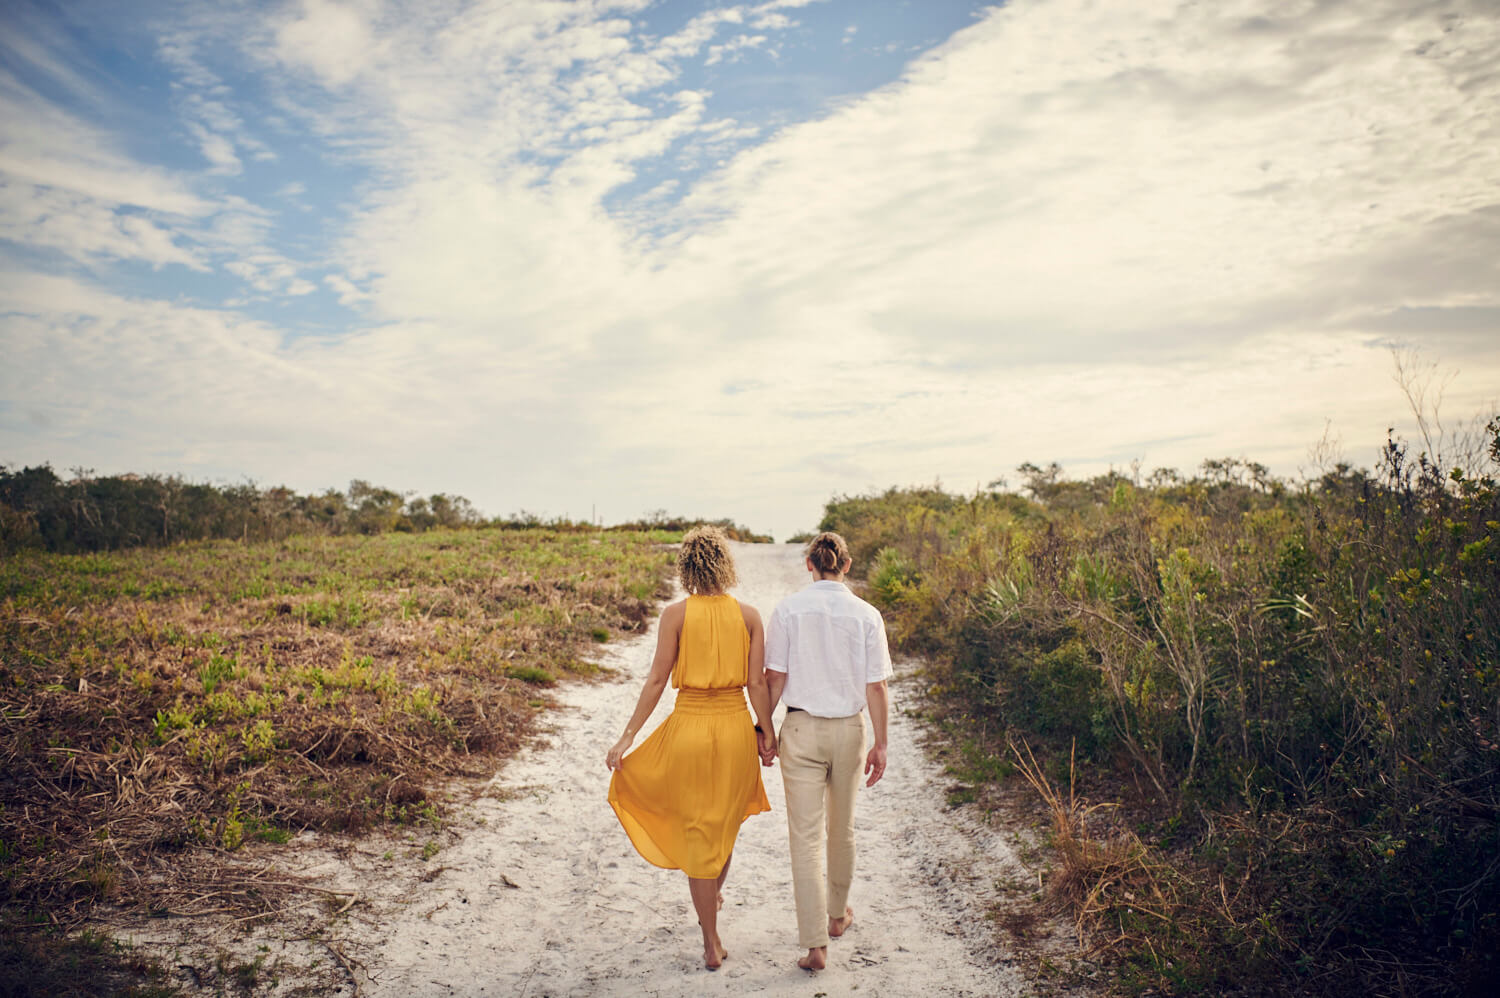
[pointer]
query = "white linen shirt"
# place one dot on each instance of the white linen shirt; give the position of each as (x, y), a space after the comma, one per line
(830, 643)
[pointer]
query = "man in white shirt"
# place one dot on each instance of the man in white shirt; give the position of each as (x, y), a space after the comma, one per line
(826, 656)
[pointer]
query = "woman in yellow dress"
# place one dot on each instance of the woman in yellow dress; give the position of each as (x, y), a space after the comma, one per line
(684, 792)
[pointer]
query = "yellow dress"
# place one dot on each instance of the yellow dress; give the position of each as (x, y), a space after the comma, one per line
(682, 794)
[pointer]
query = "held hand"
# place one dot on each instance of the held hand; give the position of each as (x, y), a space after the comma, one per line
(617, 753)
(875, 765)
(765, 743)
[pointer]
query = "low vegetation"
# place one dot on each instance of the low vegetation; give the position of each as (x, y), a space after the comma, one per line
(88, 512)
(41, 510)
(662, 520)
(161, 708)
(657, 521)
(1283, 700)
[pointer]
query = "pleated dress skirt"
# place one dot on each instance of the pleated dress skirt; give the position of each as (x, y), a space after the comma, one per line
(682, 794)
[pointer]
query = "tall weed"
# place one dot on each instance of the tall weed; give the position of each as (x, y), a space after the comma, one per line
(1301, 679)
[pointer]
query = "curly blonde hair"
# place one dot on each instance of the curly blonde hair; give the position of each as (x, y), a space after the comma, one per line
(704, 563)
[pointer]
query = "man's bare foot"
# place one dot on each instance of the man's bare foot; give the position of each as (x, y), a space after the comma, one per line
(714, 957)
(838, 926)
(816, 959)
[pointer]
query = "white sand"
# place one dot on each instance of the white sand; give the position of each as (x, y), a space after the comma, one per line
(542, 894)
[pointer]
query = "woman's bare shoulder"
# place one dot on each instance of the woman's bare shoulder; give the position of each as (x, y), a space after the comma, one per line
(751, 615)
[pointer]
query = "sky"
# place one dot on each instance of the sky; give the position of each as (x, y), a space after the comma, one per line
(607, 257)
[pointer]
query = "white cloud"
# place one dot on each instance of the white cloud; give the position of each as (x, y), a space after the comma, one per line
(43, 145)
(696, 33)
(32, 42)
(64, 187)
(346, 290)
(205, 102)
(763, 21)
(332, 39)
(219, 152)
(84, 229)
(734, 49)
(1059, 183)
(1082, 231)
(67, 186)
(1087, 170)
(190, 389)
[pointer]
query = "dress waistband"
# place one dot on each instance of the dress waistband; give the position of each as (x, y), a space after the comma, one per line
(725, 700)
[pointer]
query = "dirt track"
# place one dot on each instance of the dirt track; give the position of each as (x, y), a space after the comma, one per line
(538, 892)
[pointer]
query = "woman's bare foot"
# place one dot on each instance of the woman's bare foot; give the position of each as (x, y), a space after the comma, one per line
(721, 900)
(714, 957)
(838, 926)
(816, 959)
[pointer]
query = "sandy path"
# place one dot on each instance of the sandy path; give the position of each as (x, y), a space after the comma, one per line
(537, 893)
(547, 897)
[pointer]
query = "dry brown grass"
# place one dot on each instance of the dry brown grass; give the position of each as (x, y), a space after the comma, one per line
(159, 710)
(1099, 881)
(1167, 921)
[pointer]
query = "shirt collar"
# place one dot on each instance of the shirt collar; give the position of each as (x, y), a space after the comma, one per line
(828, 584)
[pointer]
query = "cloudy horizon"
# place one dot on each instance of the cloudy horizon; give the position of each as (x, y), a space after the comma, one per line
(732, 259)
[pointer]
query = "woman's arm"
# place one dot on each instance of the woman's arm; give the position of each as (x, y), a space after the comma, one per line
(755, 684)
(667, 638)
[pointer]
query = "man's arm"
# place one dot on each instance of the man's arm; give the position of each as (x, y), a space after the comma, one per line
(778, 650)
(775, 683)
(877, 696)
(766, 741)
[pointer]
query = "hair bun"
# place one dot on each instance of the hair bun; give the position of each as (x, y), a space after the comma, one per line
(828, 552)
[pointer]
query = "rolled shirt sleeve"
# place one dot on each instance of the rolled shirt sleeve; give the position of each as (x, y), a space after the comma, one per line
(778, 641)
(877, 653)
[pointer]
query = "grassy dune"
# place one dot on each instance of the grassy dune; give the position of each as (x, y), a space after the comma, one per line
(161, 708)
(1265, 715)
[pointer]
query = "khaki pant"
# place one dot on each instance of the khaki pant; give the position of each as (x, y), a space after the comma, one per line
(821, 762)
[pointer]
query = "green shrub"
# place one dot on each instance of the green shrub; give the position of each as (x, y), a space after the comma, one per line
(531, 674)
(216, 670)
(1061, 695)
(1305, 678)
(892, 575)
(259, 740)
